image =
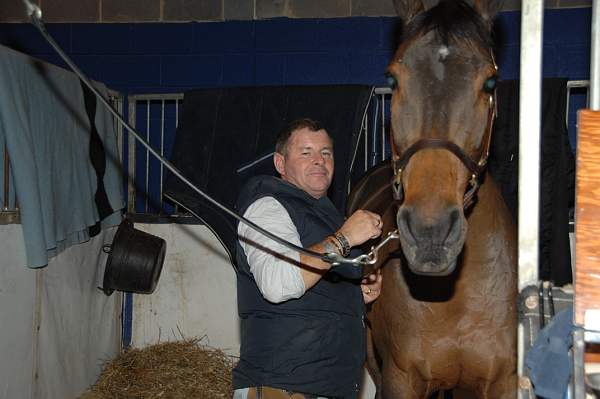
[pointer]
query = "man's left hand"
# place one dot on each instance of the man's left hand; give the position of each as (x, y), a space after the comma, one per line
(371, 286)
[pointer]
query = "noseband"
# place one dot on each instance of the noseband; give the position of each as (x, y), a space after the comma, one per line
(476, 169)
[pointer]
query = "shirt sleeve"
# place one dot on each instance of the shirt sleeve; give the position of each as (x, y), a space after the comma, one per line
(274, 266)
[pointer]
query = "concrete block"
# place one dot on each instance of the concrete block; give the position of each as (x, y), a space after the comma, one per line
(287, 35)
(373, 8)
(128, 72)
(238, 69)
(238, 10)
(350, 34)
(192, 70)
(223, 37)
(574, 3)
(317, 68)
(130, 10)
(270, 69)
(161, 38)
(190, 10)
(71, 10)
(27, 39)
(271, 8)
(98, 39)
(14, 11)
(319, 8)
(511, 5)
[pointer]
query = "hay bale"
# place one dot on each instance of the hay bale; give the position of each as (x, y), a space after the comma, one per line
(177, 370)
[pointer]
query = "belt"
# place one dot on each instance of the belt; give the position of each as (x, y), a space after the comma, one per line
(278, 393)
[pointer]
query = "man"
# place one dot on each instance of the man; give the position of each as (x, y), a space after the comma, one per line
(302, 325)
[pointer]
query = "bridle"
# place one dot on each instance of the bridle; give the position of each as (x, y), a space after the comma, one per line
(476, 168)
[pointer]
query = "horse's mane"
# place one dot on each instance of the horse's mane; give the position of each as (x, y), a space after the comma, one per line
(451, 20)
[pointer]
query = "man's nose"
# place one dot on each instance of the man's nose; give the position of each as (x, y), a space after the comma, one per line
(318, 159)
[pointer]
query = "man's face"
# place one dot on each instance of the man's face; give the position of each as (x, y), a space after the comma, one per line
(308, 162)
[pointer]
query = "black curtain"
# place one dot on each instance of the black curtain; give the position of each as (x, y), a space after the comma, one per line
(557, 184)
(224, 130)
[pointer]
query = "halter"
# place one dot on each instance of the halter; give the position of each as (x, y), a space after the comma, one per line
(399, 162)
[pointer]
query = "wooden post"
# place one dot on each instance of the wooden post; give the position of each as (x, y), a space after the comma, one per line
(587, 226)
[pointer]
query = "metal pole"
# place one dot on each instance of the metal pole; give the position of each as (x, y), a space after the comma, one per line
(532, 17)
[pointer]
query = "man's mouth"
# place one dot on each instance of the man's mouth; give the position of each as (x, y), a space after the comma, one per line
(318, 173)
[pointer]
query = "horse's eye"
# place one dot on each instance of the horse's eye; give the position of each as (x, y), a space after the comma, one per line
(490, 84)
(391, 80)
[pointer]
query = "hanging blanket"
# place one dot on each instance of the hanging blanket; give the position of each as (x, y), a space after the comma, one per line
(63, 155)
(226, 136)
(557, 174)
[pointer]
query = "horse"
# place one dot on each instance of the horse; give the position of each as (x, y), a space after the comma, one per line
(446, 317)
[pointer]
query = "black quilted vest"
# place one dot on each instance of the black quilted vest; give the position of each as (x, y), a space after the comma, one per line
(314, 344)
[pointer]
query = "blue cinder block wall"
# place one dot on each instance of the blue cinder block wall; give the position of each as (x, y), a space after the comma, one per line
(171, 57)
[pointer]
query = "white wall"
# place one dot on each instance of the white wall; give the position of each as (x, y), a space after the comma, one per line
(56, 327)
(196, 294)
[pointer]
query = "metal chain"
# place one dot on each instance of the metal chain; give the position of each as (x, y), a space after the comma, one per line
(365, 259)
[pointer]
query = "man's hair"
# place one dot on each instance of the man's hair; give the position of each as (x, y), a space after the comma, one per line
(285, 134)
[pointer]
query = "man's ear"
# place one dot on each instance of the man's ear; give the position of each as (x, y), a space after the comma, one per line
(279, 162)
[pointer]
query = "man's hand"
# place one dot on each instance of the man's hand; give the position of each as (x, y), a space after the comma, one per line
(371, 286)
(361, 226)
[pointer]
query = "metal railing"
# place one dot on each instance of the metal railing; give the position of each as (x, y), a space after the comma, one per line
(156, 117)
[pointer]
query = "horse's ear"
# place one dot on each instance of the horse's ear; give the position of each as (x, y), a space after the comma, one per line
(488, 9)
(407, 9)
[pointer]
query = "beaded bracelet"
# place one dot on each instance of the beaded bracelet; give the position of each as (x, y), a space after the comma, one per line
(336, 244)
(343, 241)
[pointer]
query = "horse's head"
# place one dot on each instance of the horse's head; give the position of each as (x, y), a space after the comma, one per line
(443, 76)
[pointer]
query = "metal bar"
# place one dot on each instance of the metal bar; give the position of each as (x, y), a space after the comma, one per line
(364, 127)
(160, 96)
(532, 16)
(5, 179)
(176, 126)
(384, 136)
(162, 151)
(578, 83)
(146, 196)
(383, 90)
(529, 140)
(131, 157)
(374, 127)
(578, 384)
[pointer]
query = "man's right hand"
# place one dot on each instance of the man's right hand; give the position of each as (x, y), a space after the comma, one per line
(361, 226)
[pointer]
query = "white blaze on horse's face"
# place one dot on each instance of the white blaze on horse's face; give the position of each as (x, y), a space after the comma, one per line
(439, 64)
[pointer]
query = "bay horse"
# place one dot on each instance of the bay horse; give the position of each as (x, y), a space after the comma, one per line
(447, 316)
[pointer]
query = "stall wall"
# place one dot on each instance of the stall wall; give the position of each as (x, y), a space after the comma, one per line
(57, 327)
(196, 293)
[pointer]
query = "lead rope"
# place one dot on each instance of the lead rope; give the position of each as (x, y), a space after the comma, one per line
(35, 13)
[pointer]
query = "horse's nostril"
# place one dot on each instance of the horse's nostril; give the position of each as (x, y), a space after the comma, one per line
(406, 225)
(454, 227)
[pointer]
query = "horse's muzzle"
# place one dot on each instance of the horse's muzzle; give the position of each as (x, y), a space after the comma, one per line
(431, 244)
